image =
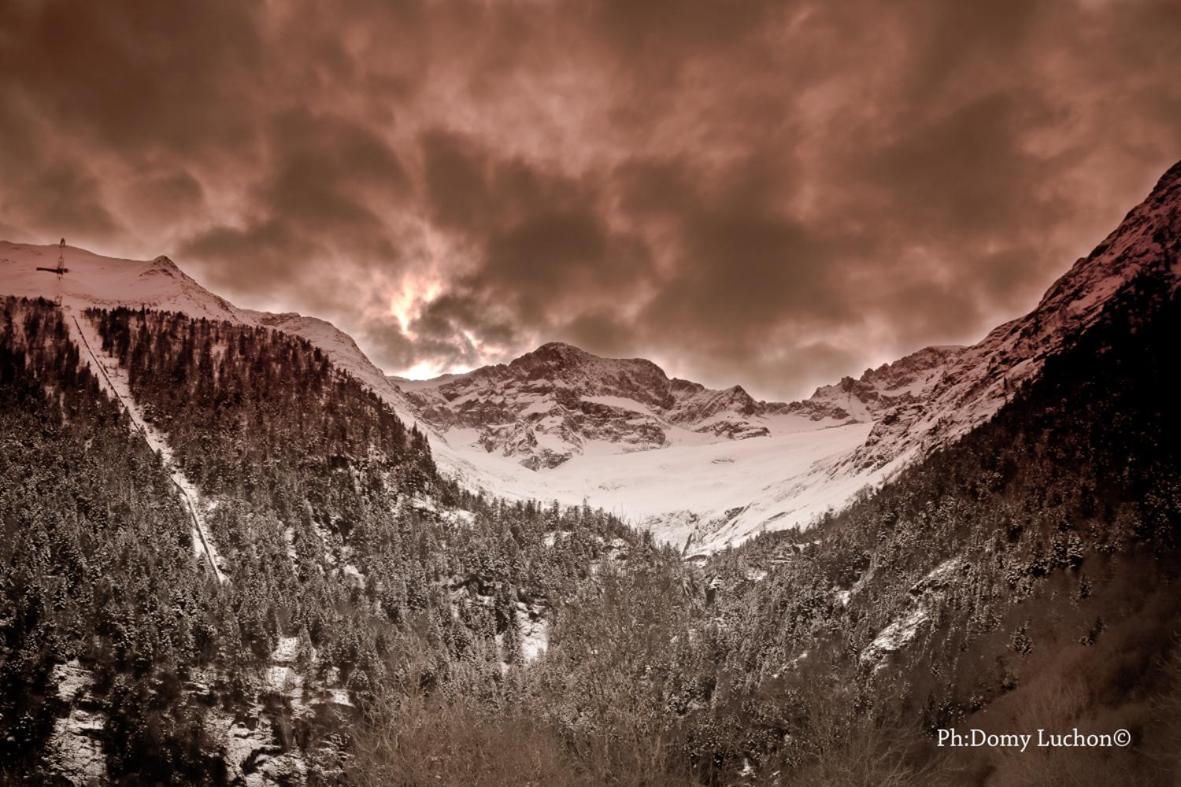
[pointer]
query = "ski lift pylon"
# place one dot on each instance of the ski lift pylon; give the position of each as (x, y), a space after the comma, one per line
(60, 269)
(61, 261)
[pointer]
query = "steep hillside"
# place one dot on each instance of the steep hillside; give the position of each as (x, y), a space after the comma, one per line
(977, 380)
(355, 574)
(1023, 578)
(97, 563)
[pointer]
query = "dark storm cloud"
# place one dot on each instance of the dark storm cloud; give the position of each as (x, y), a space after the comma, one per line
(323, 192)
(139, 76)
(543, 241)
(772, 193)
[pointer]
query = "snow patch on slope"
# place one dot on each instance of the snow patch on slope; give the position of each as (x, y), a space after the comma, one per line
(74, 750)
(926, 595)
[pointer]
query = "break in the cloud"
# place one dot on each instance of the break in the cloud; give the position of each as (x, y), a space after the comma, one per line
(767, 192)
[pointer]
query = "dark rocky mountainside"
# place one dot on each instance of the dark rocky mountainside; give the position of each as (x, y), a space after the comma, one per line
(1023, 578)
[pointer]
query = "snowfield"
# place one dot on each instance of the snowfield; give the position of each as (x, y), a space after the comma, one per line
(683, 492)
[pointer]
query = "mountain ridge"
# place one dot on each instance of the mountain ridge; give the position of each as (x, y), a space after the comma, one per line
(105, 282)
(909, 408)
(699, 467)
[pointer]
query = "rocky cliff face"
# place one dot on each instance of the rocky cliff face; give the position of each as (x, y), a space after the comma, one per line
(906, 381)
(559, 401)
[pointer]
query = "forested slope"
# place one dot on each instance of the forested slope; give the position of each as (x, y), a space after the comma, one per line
(1023, 578)
(1026, 577)
(97, 563)
(358, 577)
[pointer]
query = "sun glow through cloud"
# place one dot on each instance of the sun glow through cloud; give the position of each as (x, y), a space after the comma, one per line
(423, 370)
(408, 303)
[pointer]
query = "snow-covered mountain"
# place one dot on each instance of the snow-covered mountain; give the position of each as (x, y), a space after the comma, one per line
(559, 401)
(704, 468)
(700, 467)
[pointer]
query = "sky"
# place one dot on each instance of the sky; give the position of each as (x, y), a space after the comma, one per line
(767, 193)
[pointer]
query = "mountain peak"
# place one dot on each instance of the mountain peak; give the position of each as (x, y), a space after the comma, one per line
(559, 401)
(559, 351)
(163, 266)
(550, 359)
(1171, 176)
(560, 347)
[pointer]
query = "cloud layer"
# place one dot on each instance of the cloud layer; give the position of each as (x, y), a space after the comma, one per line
(772, 193)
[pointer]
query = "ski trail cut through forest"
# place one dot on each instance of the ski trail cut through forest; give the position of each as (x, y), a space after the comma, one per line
(113, 378)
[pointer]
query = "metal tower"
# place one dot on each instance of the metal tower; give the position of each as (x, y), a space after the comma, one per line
(60, 269)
